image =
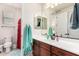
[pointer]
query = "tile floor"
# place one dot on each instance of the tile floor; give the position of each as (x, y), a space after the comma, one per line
(2, 54)
(14, 53)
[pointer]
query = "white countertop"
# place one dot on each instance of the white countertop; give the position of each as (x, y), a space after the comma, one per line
(70, 45)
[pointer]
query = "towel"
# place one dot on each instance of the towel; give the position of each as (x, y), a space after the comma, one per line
(30, 34)
(27, 40)
(30, 39)
(74, 20)
(25, 37)
(50, 32)
(19, 35)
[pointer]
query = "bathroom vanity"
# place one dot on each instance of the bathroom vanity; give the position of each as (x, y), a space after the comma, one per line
(41, 48)
(59, 20)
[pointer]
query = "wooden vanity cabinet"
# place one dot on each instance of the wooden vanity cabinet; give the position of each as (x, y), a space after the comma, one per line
(43, 49)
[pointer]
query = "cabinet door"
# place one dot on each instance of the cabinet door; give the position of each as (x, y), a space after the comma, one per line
(36, 46)
(61, 23)
(44, 52)
(44, 49)
(69, 54)
(55, 51)
(45, 46)
(36, 50)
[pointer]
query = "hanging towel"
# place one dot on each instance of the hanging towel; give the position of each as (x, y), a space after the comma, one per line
(27, 40)
(30, 39)
(25, 37)
(74, 20)
(50, 32)
(30, 34)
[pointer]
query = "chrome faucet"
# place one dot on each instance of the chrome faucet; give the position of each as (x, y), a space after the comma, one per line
(57, 37)
(53, 37)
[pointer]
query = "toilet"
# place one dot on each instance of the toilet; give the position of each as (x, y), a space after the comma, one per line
(7, 46)
(7, 37)
(1, 45)
(1, 48)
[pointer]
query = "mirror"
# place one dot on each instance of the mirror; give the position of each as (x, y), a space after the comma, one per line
(63, 24)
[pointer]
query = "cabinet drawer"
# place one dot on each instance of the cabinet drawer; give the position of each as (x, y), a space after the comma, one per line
(44, 45)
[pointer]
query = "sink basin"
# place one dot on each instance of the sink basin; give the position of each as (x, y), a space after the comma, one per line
(68, 40)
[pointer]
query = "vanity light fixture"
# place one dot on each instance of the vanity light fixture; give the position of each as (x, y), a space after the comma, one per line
(52, 5)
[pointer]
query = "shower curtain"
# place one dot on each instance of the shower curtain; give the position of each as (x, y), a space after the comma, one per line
(19, 35)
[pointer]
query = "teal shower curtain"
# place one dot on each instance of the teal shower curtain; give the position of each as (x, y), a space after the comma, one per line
(27, 40)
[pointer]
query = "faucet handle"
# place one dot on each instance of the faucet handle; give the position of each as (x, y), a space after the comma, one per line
(56, 38)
